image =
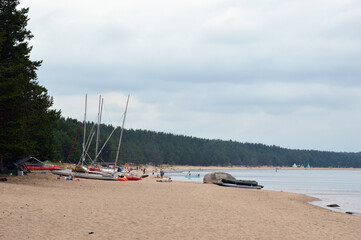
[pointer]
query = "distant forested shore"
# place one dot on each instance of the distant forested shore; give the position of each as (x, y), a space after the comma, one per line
(144, 147)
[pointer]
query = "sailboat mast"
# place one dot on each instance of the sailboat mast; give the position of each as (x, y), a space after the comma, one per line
(84, 123)
(121, 134)
(98, 128)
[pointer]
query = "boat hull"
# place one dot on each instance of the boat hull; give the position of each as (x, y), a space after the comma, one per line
(239, 186)
(55, 167)
(96, 176)
(240, 182)
(132, 177)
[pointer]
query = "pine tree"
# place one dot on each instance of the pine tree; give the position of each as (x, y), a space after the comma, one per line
(25, 118)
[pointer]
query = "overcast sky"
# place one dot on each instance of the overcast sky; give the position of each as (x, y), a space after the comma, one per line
(284, 73)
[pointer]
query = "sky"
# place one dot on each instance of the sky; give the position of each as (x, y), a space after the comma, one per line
(276, 72)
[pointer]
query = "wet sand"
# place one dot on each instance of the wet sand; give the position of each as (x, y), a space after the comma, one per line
(39, 206)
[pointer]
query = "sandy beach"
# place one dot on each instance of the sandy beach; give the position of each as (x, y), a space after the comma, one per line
(40, 206)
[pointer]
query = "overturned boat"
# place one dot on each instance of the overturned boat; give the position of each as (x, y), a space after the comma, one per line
(239, 183)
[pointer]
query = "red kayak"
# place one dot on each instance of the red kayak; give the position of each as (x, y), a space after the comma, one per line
(132, 177)
(43, 167)
(35, 164)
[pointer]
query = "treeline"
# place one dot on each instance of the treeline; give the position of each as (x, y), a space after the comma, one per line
(143, 147)
(25, 115)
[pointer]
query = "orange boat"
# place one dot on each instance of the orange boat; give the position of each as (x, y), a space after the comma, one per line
(122, 179)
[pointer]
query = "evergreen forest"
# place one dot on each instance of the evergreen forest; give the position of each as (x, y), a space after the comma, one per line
(144, 147)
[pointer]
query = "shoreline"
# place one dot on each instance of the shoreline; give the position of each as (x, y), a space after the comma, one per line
(188, 167)
(38, 206)
(348, 205)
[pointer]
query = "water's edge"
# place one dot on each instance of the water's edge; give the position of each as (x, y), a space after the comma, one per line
(341, 187)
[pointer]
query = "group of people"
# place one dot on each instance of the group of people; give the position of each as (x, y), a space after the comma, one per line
(168, 180)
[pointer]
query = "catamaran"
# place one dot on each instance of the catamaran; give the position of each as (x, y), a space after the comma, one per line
(90, 171)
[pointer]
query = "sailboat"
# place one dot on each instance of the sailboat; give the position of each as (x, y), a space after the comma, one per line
(82, 169)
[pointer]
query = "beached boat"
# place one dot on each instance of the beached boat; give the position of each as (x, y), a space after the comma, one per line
(239, 186)
(44, 167)
(35, 164)
(132, 177)
(84, 170)
(239, 183)
(87, 175)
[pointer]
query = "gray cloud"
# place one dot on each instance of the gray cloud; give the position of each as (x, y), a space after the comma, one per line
(275, 72)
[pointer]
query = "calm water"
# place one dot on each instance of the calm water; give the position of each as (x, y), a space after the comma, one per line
(342, 187)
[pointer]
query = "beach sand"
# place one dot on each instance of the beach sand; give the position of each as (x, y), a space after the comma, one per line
(39, 206)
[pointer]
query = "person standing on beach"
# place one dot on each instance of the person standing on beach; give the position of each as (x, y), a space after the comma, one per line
(161, 173)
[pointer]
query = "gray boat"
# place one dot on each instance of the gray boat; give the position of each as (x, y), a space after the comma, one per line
(239, 186)
(239, 183)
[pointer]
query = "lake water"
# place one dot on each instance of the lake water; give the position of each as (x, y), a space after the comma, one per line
(342, 187)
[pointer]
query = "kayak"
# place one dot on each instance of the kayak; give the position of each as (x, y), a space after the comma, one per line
(35, 164)
(44, 167)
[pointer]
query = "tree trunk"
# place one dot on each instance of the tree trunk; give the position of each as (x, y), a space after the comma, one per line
(1, 163)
